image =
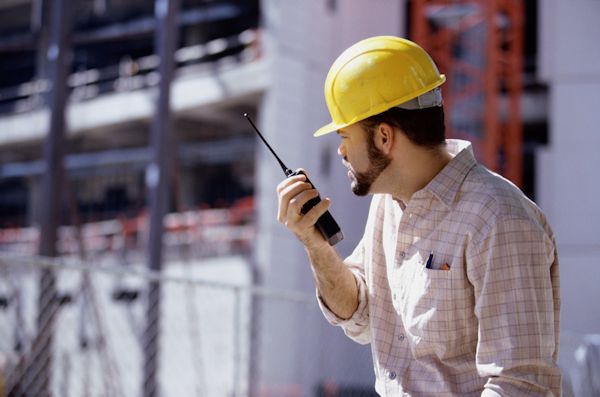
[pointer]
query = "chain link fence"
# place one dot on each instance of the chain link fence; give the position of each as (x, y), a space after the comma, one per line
(94, 321)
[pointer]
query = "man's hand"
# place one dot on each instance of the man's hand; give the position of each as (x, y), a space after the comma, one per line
(335, 282)
(293, 193)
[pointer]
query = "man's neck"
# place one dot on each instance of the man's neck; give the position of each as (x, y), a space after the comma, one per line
(415, 172)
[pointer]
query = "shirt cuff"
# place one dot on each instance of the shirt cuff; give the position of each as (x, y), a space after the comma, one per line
(360, 318)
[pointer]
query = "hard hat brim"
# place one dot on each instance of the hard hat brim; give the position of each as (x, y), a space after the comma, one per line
(326, 129)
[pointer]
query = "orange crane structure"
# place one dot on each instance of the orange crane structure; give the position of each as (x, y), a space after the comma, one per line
(478, 44)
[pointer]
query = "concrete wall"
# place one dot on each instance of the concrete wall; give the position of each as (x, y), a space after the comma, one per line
(568, 171)
(303, 39)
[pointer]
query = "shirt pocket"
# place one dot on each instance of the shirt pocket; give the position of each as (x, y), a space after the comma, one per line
(427, 301)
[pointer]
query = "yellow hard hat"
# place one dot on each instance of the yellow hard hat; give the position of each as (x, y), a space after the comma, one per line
(375, 75)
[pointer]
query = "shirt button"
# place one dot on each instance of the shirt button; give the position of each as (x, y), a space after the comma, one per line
(401, 338)
(391, 375)
(402, 254)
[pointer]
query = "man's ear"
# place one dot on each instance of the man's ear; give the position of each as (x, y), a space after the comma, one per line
(384, 137)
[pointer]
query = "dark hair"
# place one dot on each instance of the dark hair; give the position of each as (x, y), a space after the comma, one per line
(424, 127)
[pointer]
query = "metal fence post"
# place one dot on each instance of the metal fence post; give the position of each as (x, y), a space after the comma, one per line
(237, 326)
(157, 182)
(254, 349)
(39, 371)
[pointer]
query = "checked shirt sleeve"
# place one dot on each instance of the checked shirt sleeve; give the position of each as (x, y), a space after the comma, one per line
(357, 326)
(514, 272)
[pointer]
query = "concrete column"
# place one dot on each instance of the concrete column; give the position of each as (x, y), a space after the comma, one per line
(568, 189)
(302, 40)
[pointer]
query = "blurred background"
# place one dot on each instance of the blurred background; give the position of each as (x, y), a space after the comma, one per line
(139, 250)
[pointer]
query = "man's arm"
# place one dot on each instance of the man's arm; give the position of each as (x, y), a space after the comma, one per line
(514, 275)
(335, 282)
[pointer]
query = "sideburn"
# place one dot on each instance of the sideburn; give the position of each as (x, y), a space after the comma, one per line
(378, 162)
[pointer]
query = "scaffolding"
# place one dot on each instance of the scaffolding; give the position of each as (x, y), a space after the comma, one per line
(478, 44)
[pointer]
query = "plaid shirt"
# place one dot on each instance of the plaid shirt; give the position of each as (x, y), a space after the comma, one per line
(483, 316)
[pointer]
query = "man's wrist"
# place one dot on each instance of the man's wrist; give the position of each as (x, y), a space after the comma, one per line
(312, 239)
(317, 248)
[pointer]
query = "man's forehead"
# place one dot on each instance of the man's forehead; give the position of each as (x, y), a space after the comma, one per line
(351, 129)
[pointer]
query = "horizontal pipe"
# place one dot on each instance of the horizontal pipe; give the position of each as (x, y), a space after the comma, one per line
(126, 30)
(214, 152)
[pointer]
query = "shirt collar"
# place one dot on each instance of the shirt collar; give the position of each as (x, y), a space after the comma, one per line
(446, 184)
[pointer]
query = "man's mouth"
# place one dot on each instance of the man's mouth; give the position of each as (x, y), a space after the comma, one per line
(350, 175)
(350, 172)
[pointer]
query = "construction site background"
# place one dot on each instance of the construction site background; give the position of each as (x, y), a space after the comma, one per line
(139, 250)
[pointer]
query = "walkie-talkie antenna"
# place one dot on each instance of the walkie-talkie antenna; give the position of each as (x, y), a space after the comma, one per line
(285, 169)
(325, 224)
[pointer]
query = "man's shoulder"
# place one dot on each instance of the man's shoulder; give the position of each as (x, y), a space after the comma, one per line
(491, 198)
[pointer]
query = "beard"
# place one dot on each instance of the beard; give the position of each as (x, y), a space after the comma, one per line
(362, 181)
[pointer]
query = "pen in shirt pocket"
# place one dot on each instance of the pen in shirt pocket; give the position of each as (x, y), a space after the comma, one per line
(429, 261)
(429, 264)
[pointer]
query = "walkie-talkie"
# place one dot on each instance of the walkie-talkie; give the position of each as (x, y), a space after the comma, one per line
(325, 224)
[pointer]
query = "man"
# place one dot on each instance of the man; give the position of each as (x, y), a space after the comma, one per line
(455, 281)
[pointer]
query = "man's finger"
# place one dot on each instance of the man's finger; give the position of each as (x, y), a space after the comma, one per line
(311, 217)
(296, 204)
(289, 181)
(288, 193)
